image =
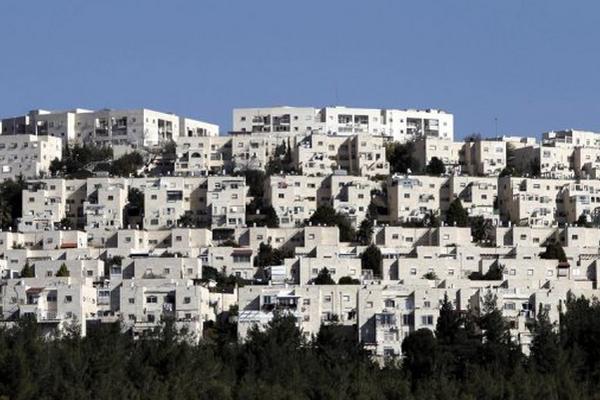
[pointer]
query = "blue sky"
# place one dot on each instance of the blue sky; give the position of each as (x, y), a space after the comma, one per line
(533, 64)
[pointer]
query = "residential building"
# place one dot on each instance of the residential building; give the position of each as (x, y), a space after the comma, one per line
(28, 156)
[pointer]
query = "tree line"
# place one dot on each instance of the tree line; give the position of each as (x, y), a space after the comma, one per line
(468, 356)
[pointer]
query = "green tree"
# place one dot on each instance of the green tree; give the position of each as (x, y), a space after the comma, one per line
(270, 218)
(63, 271)
(324, 278)
(11, 201)
(348, 280)
(420, 353)
(401, 157)
(326, 215)
(255, 180)
(545, 345)
(65, 223)
(134, 210)
(365, 232)
(456, 214)
(481, 229)
(187, 219)
(449, 322)
(584, 222)
(372, 259)
(126, 165)
(27, 271)
(507, 171)
(55, 167)
(435, 167)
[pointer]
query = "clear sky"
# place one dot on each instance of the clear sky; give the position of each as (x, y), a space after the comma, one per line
(533, 64)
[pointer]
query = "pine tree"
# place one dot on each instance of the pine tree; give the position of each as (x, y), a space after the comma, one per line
(545, 344)
(456, 214)
(27, 271)
(324, 278)
(448, 323)
(63, 271)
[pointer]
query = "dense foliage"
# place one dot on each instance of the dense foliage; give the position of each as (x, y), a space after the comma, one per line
(76, 159)
(11, 202)
(326, 215)
(456, 214)
(467, 357)
(371, 259)
(401, 157)
(435, 167)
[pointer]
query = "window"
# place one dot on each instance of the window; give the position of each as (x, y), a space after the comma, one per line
(151, 299)
(68, 299)
(306, 302)
(427, 320)
(131, 300)
(389, 303)
(187, 300)
(327, 298)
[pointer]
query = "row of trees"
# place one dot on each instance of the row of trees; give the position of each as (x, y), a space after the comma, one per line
(468, 356)
(401, 157)
(78, 162)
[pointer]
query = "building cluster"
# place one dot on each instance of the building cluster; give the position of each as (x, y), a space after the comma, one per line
(146, 248)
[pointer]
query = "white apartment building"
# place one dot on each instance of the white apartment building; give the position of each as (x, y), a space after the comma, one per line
(55, 303)
(312, 306)
(226, 201)
(414, 198)
(388, 312)
(203, 155)
(478, 195)
(546, 202)
(295, 197)
(401, 125)
(321, 155)
(530, 201)
(134, 128)
(484, 157)
(449, 152)
(27, 155)
(351, 196)
(144, 303)
(60, 124)
(105, 202)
